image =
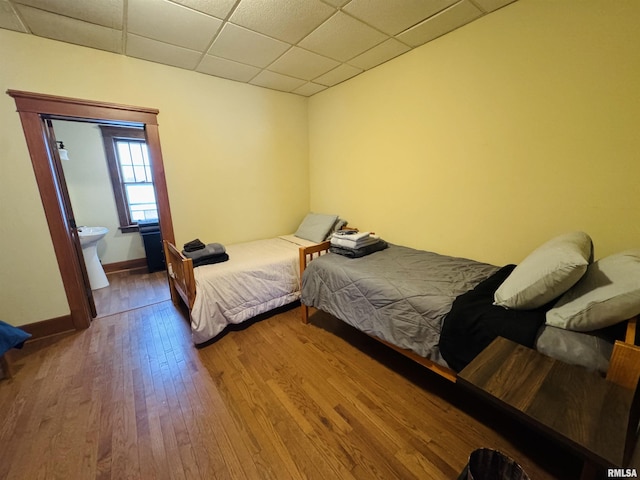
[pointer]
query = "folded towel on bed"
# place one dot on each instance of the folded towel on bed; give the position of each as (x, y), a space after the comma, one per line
(209, 250)
(210, 259)
(350, 234)
(194, 245)
(359, 252)
(348, 243)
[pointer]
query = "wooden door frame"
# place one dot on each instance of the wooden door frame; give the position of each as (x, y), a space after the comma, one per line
(31, 107)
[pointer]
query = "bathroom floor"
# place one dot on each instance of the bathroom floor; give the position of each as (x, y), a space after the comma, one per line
(131, 289)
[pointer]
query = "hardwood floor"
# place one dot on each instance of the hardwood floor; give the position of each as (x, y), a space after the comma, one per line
(131, 289)
(132, 398)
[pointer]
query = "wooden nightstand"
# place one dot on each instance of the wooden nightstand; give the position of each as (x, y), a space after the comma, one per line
(577, 407)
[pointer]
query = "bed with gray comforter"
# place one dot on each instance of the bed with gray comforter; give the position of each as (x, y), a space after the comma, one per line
(400, 295)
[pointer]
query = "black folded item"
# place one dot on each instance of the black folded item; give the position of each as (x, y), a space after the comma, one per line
(210, 259)
(209, 250)
(474, 322)
(359, 252)
(194, 245)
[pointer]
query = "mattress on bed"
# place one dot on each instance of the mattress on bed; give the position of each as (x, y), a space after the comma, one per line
(259, 276)
(399, 294)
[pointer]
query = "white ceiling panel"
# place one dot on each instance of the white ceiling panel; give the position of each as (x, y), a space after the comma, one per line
(171, 23)
(107, 13)
(154, 51)
(9, 18)
(299, 46)
(265, 16)
(337, 3)
(217, 8)
(309, 89)
(338, 75)
(444, 22)
(277, 81)
(70, 30)
(342, 37)
(394, 17)
(491, 5)
(379, 54)
(301, 63)
(221, 67)
(245, 46)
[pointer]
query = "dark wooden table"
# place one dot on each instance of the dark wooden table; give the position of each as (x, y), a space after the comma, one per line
(571, 404)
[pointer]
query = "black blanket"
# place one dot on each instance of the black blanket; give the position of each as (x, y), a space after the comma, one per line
(474, 322)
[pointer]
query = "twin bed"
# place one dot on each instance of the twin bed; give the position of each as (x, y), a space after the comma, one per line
(258, 277)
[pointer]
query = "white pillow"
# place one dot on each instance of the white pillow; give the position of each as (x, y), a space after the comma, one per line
(316, 226)
(547, 272)
(607, 294)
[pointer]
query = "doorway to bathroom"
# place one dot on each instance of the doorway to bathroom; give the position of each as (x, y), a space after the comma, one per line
(34, 109)
(107, 171)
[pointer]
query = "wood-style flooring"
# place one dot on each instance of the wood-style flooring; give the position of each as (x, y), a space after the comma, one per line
(131, 289)
(131, 397)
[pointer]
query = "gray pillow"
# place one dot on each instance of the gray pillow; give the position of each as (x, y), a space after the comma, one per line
(547, 272)
(575, 348)
(316, 226)
(607, 294)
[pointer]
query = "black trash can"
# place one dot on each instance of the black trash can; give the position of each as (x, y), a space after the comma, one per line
(150, 231)
(488, 464)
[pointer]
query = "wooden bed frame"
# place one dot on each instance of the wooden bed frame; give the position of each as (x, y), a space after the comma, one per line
(624, 367)
(182, 283)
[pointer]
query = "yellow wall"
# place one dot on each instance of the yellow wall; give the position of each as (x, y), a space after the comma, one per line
(235, 157)
(491, 139)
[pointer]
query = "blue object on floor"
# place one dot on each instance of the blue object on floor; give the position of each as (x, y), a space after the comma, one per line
(11, 337)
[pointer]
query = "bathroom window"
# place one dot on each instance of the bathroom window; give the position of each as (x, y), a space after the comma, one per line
(131, 177)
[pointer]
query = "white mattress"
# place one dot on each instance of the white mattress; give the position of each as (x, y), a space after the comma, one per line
(259, 276)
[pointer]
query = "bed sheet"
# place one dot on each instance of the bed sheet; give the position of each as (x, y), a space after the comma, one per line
(259, 276)
(399, 294)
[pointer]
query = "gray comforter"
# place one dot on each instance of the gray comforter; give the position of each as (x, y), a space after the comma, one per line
(399, 294)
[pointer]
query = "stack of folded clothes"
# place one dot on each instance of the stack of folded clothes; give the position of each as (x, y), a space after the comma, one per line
(202, 254)
(354, 244)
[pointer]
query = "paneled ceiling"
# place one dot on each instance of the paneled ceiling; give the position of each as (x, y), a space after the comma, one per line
(298, 46)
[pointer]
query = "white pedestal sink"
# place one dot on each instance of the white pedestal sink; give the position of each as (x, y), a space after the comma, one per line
(89, 238)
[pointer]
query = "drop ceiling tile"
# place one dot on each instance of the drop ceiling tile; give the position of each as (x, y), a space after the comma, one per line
(70, 30)
(217, 8)
(379, 54)
(9, 18)
(337, 75)
(394, 17)
(154, 51)
(107, 13)
(336, 3)
(301, 63)
(266, 16)
(276, 81)
(309, 89)
(221, 67)
(444, 22)
(342, 37)
(170, 23)
(244, 46)
(491, 5)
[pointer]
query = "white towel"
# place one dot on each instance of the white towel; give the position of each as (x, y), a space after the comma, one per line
(348, 243)
(351, 236)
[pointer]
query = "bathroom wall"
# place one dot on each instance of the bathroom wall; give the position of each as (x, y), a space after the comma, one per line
(89, 185)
